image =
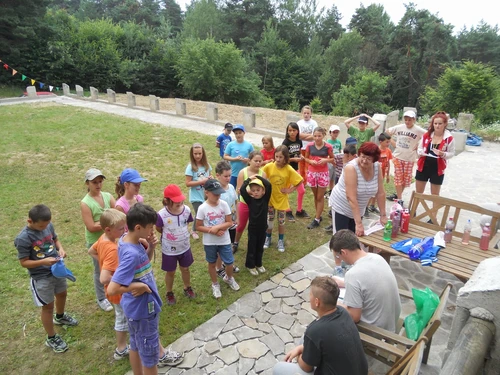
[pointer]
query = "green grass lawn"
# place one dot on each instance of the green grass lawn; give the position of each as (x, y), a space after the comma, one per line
(45, 150)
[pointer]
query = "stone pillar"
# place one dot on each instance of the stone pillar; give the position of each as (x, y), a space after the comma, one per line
(291, 118)
(66, 91)
(79, 91)
(154, 103)
(381, 119)
(130, 99)
(410, 109)
(471, 349)
(482, 290)
(31, 90)
(460, 140)
(391, 120)
(94, 93)
(249, 118)
(111, 96)
(465, 121)
(212, 112)
(180, 107)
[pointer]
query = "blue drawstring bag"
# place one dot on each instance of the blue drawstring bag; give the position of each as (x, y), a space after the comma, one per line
(59, 270)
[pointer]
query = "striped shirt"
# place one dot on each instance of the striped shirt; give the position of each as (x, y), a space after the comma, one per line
(366, 189)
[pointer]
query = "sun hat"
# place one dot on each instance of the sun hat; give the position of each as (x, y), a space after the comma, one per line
(93, 173)
(334, 128)
(239, 127)
(213, 186)
(410, 114)
(131, 175)
(363, 119)
(174, 193)
(60, 271)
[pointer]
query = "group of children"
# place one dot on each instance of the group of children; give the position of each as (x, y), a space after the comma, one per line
(248, 186)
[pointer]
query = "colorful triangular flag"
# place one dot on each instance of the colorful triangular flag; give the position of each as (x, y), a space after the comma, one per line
(51, 88)
(24, 77)
(6, 66)
(57, 88)
(14, 72)
(41, 85)
(32, 82)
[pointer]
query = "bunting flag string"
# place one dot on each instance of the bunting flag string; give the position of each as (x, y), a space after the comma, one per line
(24, 77)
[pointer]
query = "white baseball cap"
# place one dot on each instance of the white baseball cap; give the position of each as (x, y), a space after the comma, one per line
(334, 128)
(410, 114)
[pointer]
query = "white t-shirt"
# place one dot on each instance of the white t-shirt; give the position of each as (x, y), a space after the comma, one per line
(378, 300)
(175, 233)
(306, 127)
(212, 216)
(406, 141)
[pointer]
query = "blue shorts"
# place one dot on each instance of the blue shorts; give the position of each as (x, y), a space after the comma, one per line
(145, 339)
(225, 252)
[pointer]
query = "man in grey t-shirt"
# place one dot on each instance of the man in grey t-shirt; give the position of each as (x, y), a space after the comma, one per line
(371, 294)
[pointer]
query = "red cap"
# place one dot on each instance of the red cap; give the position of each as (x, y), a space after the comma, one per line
(174, 193)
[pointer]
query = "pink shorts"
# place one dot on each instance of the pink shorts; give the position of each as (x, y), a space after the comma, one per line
(318, 179)
(403, 172)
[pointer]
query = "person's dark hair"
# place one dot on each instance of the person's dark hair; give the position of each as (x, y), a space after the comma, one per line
(295, 126)
(222, 166)
(40, 212)
(253, 154)
(350, 150)
(344, 239)
(325, 289)
(442, 115)
(284, 150)
(370, 149)
(119, 188)
(383, 137)
(319, 129)
(140, 214)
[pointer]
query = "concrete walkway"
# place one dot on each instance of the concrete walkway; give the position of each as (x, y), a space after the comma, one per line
(252, 334)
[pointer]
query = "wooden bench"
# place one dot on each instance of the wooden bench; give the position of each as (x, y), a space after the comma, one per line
(457, 259)
(389, 347)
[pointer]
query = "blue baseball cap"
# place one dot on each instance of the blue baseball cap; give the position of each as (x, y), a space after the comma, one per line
(351, 141)
(239, 127)
(60, 271)
(131, 175)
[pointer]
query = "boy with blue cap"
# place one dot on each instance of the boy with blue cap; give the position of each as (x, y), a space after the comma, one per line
(237, 152)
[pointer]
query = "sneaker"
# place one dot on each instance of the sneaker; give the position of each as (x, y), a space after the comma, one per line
(374, 210)
(338, 271)
(171, 298)
(302, 214)
(253, 271)
(314, 224)
(327, 194)
(261, 269)
(267, 243)
(171, 358)
(216, 290)
(117, 355)
(105, 305)
(234, 247)
(65, 320)
(57, 344)
(281, 246)
(221, 273)
(232, 283)
(289, 217)
(195, 235)
(329, 228)
(236, 269)
(366, 214)
(392, 197)
(189, 293)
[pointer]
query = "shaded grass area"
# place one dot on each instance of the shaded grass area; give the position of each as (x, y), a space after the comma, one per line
(45, 150)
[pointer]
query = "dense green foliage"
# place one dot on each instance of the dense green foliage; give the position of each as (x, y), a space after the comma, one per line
(281, 53)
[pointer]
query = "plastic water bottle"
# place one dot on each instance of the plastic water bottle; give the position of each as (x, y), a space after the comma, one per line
(396, 220)
(405, 221)
(388, 231)
(466, 235)
(418, 249)
(448, 230)
(485, 237)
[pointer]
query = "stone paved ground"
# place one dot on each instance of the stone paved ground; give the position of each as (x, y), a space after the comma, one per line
(254, 332)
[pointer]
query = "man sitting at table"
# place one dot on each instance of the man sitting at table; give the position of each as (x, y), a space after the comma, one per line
(331, 343)
(371, 289)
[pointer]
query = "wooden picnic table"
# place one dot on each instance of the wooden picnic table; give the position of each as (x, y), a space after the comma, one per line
(457, 259)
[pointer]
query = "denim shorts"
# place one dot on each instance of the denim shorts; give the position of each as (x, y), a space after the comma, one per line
(225, 252)
(145, 339)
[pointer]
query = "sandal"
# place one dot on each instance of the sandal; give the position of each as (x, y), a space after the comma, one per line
(195, 235)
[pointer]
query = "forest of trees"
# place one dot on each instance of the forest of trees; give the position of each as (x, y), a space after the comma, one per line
(270, 53)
